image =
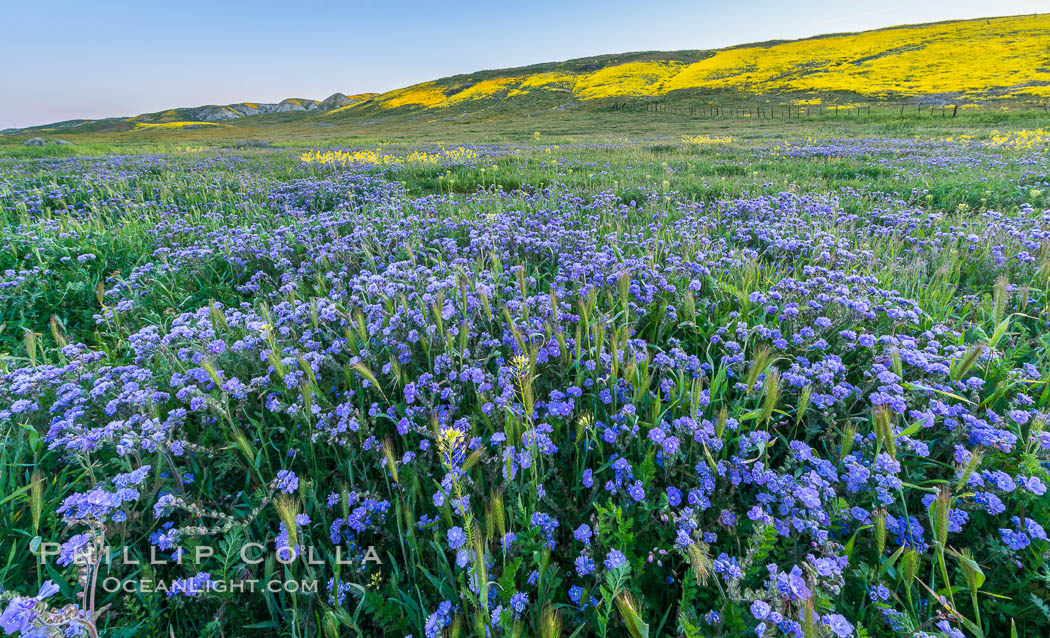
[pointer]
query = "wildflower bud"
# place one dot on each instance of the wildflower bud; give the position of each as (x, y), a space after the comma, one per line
(939, 511)
(359, 321)
(884, 435)
(36, 498)
(306, 390)
(968, 469)
(772, 394)
(276, 363)
(690, 306)
(809, 621)
(880, 530)
(909, 566)
(700, 562)
(803, 402)
(287, 508)
(498, 513)
(29, 340)
(628, 607)
(582, 425)
(1000, 296)
(972, 572)
(761, 359)
(366, 372)
(967, 362)
(56, 331)
(485, 304)
(895, 363)
(243, 444)
(720, 426)
(391, 463)
(550, 623)
(331, 625)
(218, 319)
(477, 543)
(212, 371)
(849, 434)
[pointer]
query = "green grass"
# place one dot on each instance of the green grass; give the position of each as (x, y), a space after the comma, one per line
(520, 121)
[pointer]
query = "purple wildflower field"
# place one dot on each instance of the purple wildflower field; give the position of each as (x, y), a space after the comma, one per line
(785, 389)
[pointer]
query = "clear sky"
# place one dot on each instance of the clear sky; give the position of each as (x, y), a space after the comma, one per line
(100, 58)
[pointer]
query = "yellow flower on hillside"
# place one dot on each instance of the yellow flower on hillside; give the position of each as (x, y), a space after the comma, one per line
(994, 56)
(425, 94)
(487, 88)
(631, 79)
(170, 125)
(999, 52)
(549, 81)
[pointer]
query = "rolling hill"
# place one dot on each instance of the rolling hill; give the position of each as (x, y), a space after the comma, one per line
(972, 59)
(185, 117)
(983, 60)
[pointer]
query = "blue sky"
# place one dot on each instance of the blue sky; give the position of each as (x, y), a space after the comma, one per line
(64, 60)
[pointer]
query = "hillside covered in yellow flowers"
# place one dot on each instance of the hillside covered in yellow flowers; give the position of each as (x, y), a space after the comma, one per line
(972, 59)
(993, 61)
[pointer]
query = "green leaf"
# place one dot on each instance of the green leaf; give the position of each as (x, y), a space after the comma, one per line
(911, 429)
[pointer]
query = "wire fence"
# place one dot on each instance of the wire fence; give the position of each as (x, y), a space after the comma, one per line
(803, 111)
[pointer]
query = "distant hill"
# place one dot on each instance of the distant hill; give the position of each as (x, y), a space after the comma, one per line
(197, 116)
(946, 62)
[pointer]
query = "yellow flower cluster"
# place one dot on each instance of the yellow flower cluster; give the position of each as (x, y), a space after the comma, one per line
(449, 439)
(1021, 139)
(488, 88)
(703, 139)
(632, 78)
(379, 158)
(966, 57)
(425, 95)
(549, 81)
